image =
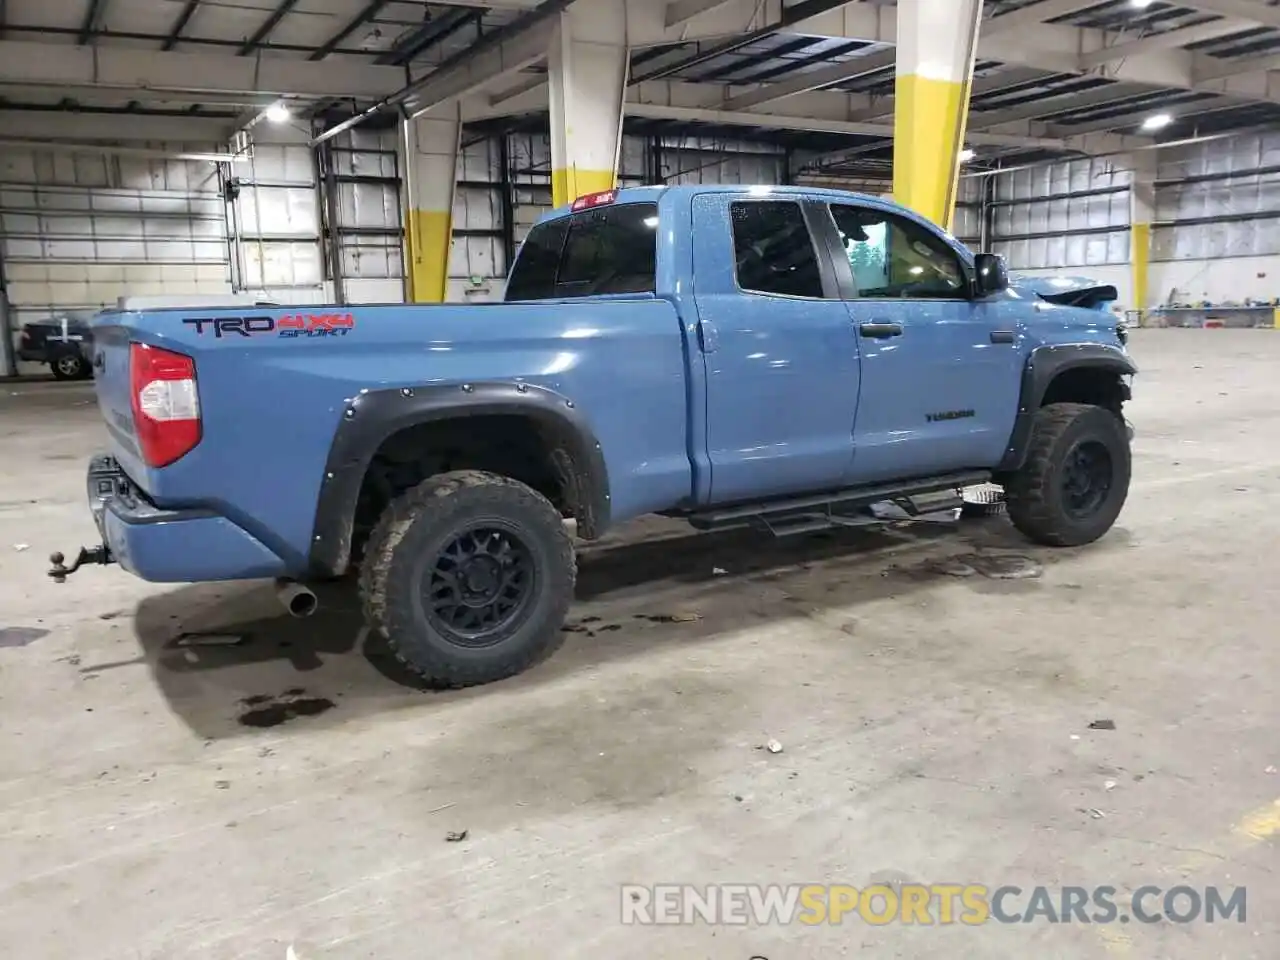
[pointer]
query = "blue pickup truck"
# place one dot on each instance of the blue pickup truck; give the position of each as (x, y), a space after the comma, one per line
(782, 356)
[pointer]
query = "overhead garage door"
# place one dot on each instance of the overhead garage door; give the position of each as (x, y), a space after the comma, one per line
(79, 231)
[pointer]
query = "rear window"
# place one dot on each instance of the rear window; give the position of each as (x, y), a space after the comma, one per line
(606, 250)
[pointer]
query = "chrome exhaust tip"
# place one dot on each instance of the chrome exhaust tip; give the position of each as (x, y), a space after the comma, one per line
(298, 600)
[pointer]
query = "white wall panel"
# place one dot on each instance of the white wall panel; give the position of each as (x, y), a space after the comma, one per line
(80, 230)
(368, 219)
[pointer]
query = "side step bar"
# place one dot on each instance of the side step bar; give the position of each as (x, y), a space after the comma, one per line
(819, 511)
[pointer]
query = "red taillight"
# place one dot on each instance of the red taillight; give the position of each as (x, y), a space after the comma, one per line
(594, 200)
(166, 404)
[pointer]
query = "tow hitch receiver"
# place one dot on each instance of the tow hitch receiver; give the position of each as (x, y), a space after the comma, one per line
(60, 571)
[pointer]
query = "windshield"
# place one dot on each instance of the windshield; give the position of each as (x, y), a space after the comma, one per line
(606, 250)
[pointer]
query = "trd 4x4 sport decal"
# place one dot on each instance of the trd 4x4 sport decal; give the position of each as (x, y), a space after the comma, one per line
(290, 325)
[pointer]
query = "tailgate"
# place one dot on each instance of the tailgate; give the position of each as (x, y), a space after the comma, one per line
(154, 320)
(112, 384)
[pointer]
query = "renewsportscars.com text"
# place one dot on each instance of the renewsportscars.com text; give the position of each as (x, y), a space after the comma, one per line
(927, 904)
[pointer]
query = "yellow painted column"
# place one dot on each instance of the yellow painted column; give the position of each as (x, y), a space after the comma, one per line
(936, 44)
(1142, 210)
(587, 65)
(430, 174)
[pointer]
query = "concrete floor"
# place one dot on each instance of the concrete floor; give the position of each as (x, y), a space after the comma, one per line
(935, 729)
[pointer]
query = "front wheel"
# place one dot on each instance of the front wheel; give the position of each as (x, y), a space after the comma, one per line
(1075, 479)
(69, 366)
(469, 577)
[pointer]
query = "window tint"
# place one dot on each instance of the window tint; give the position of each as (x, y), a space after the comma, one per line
(534, 276)
(895, 258)
(606, 250)
(772, 249)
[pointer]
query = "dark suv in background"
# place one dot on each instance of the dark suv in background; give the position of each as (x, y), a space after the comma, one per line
(64, 342)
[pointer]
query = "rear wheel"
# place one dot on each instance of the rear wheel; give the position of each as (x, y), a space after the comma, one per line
(468, 577)
(69, 365)
(1075, 480)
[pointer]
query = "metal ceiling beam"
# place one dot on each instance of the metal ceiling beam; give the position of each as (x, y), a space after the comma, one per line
(814, 80)
(1033, 14)
(508, 49)
(884, 106)
(1086, 143)
(1220, 69)
(371, 10)
(175, 32)
(1169, 40)
(139, 71)
(1132, 118)
(71, 125)
(432, 32)
(279, 13)
(1059, 103)
(1251, 10)
(92, 22)
(467, 74)
(682, 11)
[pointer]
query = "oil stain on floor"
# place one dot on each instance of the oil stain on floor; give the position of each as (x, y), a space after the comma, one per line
(268, 710)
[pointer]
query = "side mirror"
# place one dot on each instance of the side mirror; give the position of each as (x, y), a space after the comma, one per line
(993, 275)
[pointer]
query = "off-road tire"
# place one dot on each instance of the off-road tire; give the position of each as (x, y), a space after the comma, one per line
(1035, 494)
(69, 365)
(405, 543)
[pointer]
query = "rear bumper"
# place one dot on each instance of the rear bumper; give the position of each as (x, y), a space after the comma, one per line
(172, 546)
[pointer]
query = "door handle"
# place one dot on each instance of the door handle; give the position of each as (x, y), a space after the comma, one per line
(1002, 336)
(880, 331)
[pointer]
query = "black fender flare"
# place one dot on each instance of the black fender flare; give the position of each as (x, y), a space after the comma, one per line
(369, 419)
(1043, 365)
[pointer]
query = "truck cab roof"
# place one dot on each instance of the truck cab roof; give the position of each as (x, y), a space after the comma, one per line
(652, 194)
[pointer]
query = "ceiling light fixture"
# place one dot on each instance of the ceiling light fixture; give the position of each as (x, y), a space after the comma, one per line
(966, 155)
(278, 113)
(1141, 4)
(1157, 121)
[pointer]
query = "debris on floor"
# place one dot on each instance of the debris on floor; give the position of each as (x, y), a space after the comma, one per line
(1102, 725)
(21, 546)
(455, 837)
(773, 746)
(210, 639)
(669, 617)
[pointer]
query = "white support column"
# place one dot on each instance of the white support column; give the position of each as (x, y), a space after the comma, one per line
(430, 180)
(588, 64)
(1142, 211)
(937, 40)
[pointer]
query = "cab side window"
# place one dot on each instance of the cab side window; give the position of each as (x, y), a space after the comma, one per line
(773, 251)
(894, 258)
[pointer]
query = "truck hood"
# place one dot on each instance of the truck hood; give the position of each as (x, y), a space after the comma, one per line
(1067, 291)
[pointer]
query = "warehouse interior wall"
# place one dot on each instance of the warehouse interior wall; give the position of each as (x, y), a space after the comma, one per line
(302, 225)
(1215, 238)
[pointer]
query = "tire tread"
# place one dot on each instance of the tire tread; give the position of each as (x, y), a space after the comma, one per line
(1027, 490)
(435, 669)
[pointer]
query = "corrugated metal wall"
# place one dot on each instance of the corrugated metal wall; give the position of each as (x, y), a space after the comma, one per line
(275, 225)
(1070, 214)
(364, 216)
(1219, 199)
(1216, 234)
(78, 231)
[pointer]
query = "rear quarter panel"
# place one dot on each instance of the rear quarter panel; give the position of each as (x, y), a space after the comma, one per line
(271, 404)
